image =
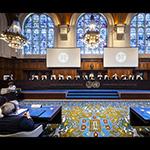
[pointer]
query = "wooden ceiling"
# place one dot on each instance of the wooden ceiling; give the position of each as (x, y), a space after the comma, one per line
(64, 18)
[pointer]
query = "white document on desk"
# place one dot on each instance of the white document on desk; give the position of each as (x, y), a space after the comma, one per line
(36, 106)
(19, 111)
(148, 112)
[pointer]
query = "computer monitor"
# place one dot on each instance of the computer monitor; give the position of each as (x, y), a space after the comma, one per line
(120, 57)
(63, 57)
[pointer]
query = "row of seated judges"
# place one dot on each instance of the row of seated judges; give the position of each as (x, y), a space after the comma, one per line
(91, 76)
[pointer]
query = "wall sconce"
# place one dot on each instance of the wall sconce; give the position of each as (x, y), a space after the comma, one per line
(119, 28)
(64, 29)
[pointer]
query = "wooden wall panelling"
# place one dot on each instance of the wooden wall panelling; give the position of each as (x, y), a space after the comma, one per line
(119, 72)
(6, 66)
(64, 72)
(19, 66)
(34, 66)
(146, 75)
(87, 65)
(19, 75)
(144, 63)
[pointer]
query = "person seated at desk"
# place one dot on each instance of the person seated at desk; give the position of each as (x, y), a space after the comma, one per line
(77, 77)
(91, 76)
(139, 77)
(14, 123)
(131, 77)
(11, 87)
(68, 77)
(100, 76)
(85, 77)
(61, 77)
(106, 77)
(44, 77)
(115, 77)
(124, 77)
(53, 77)
(10, 78)
(34, 77)
(11, 93)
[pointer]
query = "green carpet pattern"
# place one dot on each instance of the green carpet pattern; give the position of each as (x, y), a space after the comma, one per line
(94, 118)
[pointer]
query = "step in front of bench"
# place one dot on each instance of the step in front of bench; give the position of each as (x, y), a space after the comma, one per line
(97, 97)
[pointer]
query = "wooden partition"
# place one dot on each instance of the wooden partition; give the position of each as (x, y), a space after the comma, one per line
(119, 72)
(22, 68)
(6, 66)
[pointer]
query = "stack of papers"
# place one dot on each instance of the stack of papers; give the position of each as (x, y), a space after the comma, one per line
(36, 106)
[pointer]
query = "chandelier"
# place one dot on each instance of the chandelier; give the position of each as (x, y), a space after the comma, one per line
(13, 36)
(92, 36)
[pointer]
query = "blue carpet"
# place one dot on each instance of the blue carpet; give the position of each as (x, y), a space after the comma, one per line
(105, 94)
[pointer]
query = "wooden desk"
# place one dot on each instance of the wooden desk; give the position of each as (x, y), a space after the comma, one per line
(79, 84)
(140, 116)
(46, 114)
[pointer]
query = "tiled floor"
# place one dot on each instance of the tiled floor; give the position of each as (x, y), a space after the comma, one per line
(90, 118)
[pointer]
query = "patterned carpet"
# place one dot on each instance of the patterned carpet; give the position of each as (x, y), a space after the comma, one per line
(93, 118)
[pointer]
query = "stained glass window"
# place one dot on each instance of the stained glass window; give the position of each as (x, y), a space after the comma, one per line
(39, 30)
(140, 32)
(82, 27)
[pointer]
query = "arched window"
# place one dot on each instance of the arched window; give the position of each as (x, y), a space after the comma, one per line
(39, 30)
(140, 32)
(82, 26)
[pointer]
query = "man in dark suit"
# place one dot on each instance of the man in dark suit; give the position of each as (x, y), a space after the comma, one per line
(3, 100)
(14, 123)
